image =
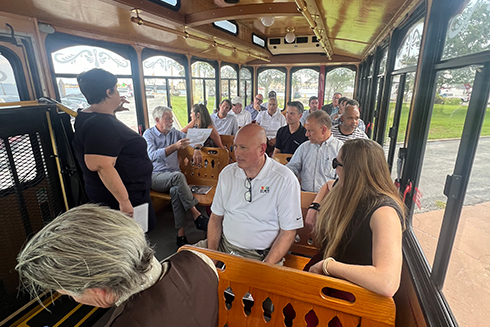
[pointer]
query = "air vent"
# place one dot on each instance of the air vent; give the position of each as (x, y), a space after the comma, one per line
(302, 39)
(274, 41)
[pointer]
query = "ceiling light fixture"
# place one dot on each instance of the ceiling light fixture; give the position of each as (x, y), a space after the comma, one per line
(267, 21)
(290, 36)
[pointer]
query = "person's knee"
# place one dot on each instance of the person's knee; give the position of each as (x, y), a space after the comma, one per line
(178, 178)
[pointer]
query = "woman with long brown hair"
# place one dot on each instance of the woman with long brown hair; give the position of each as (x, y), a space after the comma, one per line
(360, 221)
(200, 118)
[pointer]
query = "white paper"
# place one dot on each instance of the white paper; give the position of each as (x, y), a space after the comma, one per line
(198, 135)
(140, 215)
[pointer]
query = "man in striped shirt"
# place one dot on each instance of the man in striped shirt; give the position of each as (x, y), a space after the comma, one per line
(349, 128)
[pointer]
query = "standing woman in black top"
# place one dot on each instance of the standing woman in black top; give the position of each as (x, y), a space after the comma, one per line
(360, 221)
(116, 167)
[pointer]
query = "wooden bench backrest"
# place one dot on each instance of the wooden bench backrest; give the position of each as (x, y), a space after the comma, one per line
(228, 142)
(303, 243)
(302, 290)
(282, 157)
(214, 160)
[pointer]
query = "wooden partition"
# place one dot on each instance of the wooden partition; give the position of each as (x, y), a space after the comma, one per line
(229, 143)
(282, 157)
(253, 293)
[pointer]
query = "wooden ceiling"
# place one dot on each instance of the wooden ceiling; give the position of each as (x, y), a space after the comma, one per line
(352, 27)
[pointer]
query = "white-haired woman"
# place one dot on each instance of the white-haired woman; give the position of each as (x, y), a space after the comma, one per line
(100, 257)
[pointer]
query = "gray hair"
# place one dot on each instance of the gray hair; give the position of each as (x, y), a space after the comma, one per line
(159, 111)
(86, 247)
(321, 118)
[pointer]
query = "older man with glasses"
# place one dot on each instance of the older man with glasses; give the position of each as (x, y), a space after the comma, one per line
(256, 208)
(256, 107)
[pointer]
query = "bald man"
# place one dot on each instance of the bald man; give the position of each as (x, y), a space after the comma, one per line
(257, 208)
(349, 127)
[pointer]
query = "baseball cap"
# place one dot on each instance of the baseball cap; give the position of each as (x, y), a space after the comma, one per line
(236, 100)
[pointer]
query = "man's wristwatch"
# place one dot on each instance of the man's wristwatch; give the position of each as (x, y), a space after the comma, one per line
(197, 148)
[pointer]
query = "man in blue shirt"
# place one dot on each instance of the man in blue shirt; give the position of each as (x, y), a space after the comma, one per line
(163, 142)
(256, 106)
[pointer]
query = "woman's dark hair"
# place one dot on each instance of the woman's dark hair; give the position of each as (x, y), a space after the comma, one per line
(95, 83)
(204, 117)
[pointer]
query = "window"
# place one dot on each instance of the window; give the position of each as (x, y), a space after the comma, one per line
(246, 90)
(8, 85)
(339, 80)
(165, 85)
(304, 84)
(258, 40)
(469, 31)
(227, 26)
(204, 84)
(273, 80)
(172, 4)
(229, 81)
(408, 52)
(71, 61)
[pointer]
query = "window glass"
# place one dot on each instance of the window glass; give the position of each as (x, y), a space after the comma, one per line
(446, 126)
(258, 40)
(408, 52)
(304, 84)
(382, 64)
(227, 26)
(165, 85)
(467, 277)
(162, 66)
(339, 80)
(273, 80)
(469, 31)
(173, 3)
(228, 72)
(80, 58)
(395, 82)
(202, 69)
(71, 61)
(8, 86)
(246, 86)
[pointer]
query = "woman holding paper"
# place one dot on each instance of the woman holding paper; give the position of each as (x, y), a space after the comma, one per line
(115, 165)
(200, 118)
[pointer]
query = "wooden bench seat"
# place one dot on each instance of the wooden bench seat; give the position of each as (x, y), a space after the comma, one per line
(214, 160)
(248, 288)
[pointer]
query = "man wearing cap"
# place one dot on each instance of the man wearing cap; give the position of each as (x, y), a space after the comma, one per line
(243, 117)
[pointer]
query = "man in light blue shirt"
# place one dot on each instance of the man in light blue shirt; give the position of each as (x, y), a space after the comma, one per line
(312, 161)
(163, 142)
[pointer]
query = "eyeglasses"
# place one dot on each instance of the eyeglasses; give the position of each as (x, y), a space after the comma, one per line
(248, 194)
(259, 100)
(336, 163)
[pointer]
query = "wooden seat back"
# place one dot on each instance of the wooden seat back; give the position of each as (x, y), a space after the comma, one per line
(303, 243)
(303, 293)
(229, 143)
(214, 160)
(282, 158)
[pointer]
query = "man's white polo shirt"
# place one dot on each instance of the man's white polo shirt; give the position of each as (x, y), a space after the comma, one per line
(243, 118)
(271, 123)
(276, 205)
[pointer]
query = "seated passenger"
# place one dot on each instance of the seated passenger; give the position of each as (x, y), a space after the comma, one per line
(271, 120)
(350, 122)
(100, 257)
(163, 142)
(333, 106)
(336, 116)
(200, 118)
(312, 161)
(291, 136)
(256, 208)
(225, 124)
(243, 117)
(256, 107)
(360, 221)
(313, 104)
